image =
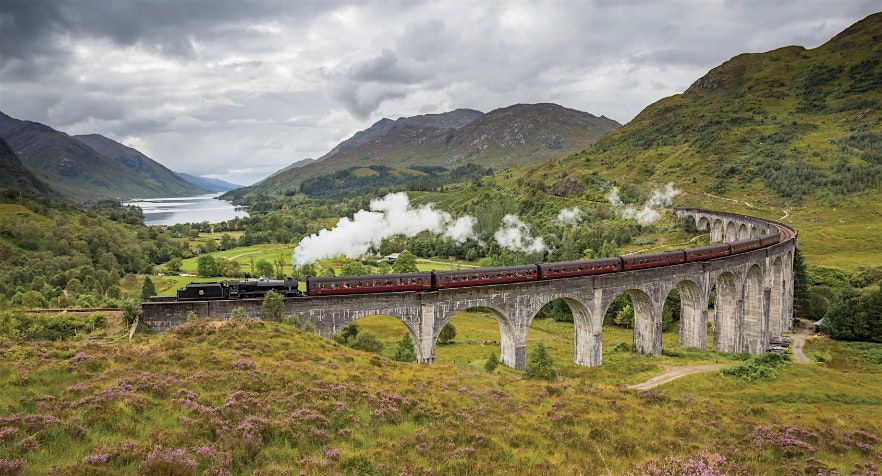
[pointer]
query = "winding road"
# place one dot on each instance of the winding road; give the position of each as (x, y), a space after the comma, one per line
(676, 373)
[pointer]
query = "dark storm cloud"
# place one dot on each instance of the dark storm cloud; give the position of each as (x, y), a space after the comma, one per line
(239, 89)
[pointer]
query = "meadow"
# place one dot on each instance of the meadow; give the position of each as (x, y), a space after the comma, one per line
(268, 398)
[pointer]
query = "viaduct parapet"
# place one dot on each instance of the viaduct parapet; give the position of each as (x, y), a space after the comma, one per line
(753, 301)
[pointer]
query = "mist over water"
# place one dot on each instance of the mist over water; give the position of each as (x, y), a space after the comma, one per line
(174, 210)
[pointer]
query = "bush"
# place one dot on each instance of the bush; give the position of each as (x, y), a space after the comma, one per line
(540, 365)
(238, 314)
(273, 306)
(148, 289)
(625, 317)
(22, 326)
(130, 312)
(367, 341)
(448, 333)
(855, 315)
(492, 362)
(293, 320)
(405, 351)
(763, 367)
(347, 334)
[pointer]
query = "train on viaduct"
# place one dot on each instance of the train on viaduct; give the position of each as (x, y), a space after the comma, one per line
(752, 283)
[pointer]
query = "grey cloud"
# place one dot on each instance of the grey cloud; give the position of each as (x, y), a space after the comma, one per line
(240, 89)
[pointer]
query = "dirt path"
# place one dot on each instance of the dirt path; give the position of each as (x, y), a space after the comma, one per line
(801, 331)
(675, 373)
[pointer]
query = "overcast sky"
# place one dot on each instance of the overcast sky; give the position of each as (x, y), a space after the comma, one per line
(238, 90)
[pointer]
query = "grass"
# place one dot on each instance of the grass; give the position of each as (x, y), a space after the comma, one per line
(295, 399)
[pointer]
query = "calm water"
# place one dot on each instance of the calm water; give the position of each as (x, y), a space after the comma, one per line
(171, 211)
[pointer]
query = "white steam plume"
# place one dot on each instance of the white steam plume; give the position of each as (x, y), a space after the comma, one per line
(648, 213)
(388, 216)
(569, 216)
(515, 235)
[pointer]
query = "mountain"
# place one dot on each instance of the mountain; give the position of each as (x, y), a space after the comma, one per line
(154, 172)
(792, 134)
(14, 175)
(207, 183)
(298, 164)
(79, 172)
(500, 139)
(444, 121)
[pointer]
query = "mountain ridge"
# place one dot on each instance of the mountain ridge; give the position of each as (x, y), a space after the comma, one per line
(77, 171)
(500, 139)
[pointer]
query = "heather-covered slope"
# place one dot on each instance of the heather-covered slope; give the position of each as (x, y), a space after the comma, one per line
(267, 398)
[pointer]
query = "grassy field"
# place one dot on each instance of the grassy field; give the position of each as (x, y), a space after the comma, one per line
(268, 398)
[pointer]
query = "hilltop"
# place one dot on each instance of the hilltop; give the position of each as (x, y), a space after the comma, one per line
(499, 139)
(79, 172)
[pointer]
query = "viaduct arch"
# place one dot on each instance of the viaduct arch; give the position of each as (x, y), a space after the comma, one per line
(753, 301)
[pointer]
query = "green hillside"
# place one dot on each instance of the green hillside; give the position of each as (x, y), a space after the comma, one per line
(790, 134)
(16, 178)
(82, 174)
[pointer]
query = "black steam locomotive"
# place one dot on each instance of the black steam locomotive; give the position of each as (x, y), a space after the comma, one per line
(252, 288)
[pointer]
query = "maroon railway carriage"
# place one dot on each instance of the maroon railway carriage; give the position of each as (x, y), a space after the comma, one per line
(482, 276)
(708, 252)
(375, 283)
(772, 238)
(743, 246)
(653, 260)
(567, 269)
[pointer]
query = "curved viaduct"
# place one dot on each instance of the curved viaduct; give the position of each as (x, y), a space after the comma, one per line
(753, 305)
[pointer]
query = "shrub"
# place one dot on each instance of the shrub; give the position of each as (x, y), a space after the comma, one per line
(763, 367)
(405, 351)
(347, 334)
(367, 341)
(130, 312)
(168, 462)
(492, 362)
(855, 315)
(98, 321)
(238, 314)
(625, 317)
(448, 333)
(273, 306)
(540, 365)
(293, 320)
(207, 266)
(148, 289)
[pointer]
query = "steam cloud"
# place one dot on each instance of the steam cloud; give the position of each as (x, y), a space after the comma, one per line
(515, 235)
(648, 214)
(388, 216)
(569, 216)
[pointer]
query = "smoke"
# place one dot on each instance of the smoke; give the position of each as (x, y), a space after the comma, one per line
(515, 235)
(569, 216)
(388, 216)
(648, 213)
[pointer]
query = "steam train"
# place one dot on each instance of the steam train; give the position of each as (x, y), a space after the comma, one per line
(435, 280)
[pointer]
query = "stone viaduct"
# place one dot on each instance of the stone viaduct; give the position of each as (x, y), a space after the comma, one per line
(753, 301)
